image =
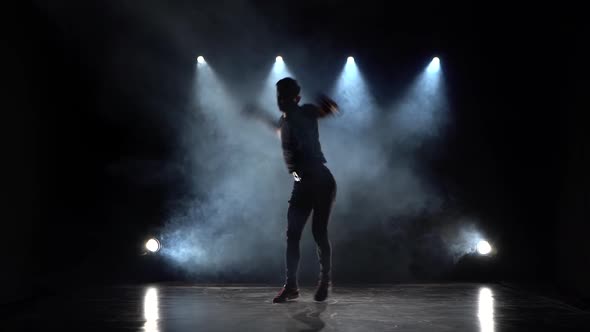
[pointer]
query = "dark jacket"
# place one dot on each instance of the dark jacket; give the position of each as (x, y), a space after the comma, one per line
(300, 138)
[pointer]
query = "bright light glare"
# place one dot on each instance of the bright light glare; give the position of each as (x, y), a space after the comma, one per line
(434, 65)
(350, 59)
(279, 59)
(152, 245)
(200, 59)
(485, 311)
(483, 247)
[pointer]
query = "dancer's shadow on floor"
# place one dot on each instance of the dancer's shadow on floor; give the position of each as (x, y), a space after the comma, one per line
(308, 315)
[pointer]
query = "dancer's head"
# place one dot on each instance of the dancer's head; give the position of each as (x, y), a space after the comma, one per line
(287, 93)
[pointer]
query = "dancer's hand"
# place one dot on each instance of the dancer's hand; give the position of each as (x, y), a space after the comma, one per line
(296, 177)
(327, 106)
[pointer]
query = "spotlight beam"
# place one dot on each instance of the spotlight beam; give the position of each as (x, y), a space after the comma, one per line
(434, 65)
(267, 96)
(354, 96)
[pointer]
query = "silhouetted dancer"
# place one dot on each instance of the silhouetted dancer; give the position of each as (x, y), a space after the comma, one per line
(314, 188)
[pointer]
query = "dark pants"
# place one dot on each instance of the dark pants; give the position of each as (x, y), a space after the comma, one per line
(316, 191)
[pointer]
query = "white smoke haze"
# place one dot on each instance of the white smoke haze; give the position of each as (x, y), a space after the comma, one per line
(239, 222)
(229, 217)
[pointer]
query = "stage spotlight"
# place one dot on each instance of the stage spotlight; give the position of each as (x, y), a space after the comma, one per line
(279, 59)
(434, 65)
(350, 60)
(153, 245)
(200, 59)
(484, 247)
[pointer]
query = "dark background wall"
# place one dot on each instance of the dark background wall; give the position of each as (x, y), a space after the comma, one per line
(516, 153)
(19, 189)
(572, 250)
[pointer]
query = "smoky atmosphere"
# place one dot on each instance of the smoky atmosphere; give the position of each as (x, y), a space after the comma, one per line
(151, 144)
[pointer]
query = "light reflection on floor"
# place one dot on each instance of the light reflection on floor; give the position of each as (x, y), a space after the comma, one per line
(193, 307)
(485, 311)
(150, 310)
